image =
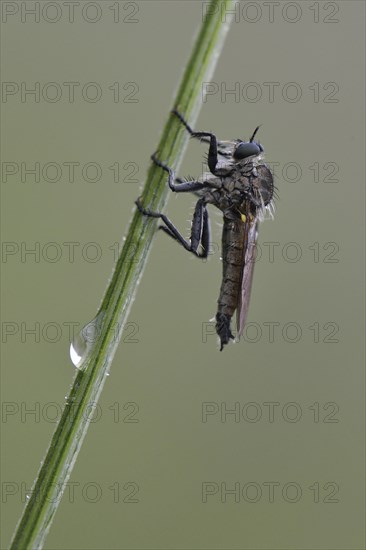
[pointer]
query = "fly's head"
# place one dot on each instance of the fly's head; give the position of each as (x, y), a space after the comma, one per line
(245, 149)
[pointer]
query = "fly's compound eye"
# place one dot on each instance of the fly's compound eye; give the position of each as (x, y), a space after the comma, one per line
(247, 149)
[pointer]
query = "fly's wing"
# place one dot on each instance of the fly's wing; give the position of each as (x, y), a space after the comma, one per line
(251, 234)
(263, 188)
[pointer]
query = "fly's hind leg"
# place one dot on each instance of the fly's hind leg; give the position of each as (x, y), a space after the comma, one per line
(200, 232)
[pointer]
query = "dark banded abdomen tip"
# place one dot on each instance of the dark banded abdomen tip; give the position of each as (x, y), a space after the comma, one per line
(223, 329)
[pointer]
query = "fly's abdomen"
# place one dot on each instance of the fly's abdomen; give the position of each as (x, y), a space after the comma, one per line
(232, 262)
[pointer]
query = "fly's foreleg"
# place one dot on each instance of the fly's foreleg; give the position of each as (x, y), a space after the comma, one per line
(205, 136)
(212, 151)
(208, 137)
(183, 121)
(200, 232)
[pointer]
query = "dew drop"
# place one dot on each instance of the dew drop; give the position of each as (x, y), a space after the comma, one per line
(84, 341)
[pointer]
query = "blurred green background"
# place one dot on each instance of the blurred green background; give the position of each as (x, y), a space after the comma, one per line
(163, 454)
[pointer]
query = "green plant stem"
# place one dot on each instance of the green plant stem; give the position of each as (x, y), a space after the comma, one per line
(66, 442)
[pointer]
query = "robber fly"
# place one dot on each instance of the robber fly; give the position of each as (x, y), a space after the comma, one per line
(241, 185)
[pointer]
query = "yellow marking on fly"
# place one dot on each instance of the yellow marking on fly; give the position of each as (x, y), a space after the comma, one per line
(244, 218)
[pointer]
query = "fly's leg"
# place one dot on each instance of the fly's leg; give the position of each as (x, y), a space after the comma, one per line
(200, 232)
(182, 186)
(212, 151)
(208, 137)
(183, 121)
